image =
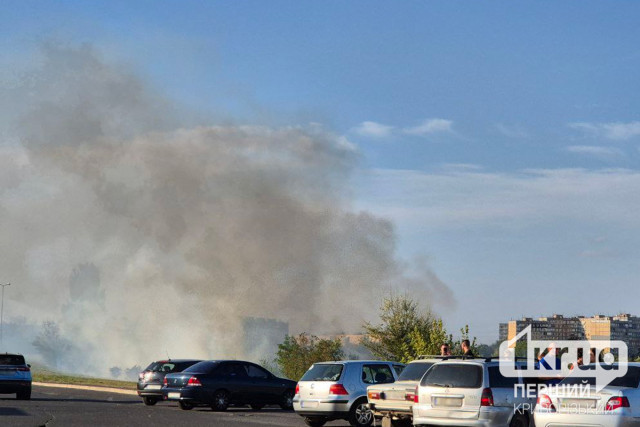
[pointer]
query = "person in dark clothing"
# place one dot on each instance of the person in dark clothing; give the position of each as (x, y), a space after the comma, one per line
(466, 349)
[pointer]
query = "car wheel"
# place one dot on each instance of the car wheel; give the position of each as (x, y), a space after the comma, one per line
(287, 400)
(24, 395)
(256, 407)
(315, 421)
(360, 415)
(220, 401)
(185, 406)
(150, 401)
(404, 422)
(519, 420)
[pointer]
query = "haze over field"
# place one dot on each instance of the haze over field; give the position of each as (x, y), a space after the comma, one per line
(139, 237)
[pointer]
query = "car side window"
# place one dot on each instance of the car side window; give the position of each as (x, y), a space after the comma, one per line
(398, 369)
(256, 372)
(376, 374)
(232, 370)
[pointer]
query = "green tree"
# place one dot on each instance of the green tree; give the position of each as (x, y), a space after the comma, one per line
(297, 353)
(456, 346)
(405, 332)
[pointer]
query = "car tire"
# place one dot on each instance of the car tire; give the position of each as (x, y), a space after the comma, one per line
(24, 395)
(255, 407)
(360, 415)
(519, 420)
(404, 422)
(220, 401)
(287, 400)
(315, 421)
(149, 401)
(185, 406)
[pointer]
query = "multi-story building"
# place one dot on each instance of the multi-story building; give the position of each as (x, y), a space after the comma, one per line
(623, 327)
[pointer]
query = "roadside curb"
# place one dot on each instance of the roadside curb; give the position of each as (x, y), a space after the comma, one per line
(88, 387)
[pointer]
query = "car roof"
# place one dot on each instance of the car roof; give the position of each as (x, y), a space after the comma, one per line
(11, 354)
(177, 360)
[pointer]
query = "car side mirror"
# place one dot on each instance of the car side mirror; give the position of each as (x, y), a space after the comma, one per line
(28, 366)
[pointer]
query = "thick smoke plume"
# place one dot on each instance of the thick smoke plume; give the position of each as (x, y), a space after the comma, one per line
(141, 238)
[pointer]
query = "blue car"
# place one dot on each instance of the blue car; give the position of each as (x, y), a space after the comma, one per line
(223, 383)
(15, 376)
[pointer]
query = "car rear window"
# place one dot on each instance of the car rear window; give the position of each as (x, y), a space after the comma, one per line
(323, 372)
(497, 380)
(453, 375)
(630, 379)
(203, 367)
(11, 360)
(414, 371)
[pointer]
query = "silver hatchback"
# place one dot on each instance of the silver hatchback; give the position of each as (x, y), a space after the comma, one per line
(338, 390)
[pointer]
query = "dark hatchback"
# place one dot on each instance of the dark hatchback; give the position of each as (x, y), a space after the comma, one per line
(15, 376)
(151, 379)
(223, 383)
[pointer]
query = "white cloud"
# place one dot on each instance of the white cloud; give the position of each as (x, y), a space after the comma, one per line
(430, 126)
(373, 129)
(512, 131)
(613, 130)
(595, 150)
(473, 198)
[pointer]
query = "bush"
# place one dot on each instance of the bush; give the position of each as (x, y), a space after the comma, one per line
(297, 353)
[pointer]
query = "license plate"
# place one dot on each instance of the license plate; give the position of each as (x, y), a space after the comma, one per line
(153, 387)
(309, 404)
(173, 395)
(449, 402)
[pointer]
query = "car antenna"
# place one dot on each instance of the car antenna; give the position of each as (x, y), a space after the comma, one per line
(168, 357)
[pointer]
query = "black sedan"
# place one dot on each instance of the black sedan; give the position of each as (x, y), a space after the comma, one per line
(223, 383)
(150, 380)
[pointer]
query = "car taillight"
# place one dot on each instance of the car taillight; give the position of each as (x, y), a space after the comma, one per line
(193, 382)
(24, 369)
(545, 402)
(297, 388)
(337, 389)
(164, 383)
(617, 402)
(487, 397)
(373, 395)
(416, 399)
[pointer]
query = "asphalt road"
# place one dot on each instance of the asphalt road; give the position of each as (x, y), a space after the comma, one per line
(72, 408)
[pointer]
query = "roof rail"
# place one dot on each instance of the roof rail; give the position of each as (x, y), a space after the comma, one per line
(430, 356)
(490, 358)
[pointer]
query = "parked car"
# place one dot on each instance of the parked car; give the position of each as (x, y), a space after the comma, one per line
(15, 376)
(471, 393)
(338, 390)
(618, 404)
(393, 402)
(151, 379)
(223, 383)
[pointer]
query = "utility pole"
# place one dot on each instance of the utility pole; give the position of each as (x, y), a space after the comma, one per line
(2, 315)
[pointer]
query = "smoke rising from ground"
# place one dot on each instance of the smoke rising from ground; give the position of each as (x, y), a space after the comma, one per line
(141, 238)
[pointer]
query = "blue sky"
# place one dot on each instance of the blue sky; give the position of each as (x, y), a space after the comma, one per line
(502, 138)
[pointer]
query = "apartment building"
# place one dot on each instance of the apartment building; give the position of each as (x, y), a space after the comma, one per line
(623, 327)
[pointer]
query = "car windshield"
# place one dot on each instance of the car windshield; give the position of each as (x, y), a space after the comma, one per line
(323, 372)
(630, 379)
(453, 375)
(414, 371)
(11, 360)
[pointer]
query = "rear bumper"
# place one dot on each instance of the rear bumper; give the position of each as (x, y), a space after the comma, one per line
(144, 391)
(382, 411)
(9, 386)
(332, 408)
(494, 416)
(190, 394)
(554, 419)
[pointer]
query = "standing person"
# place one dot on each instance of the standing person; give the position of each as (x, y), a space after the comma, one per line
(445, 350)
(466, 349)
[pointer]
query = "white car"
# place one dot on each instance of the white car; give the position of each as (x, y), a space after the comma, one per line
(618, 404)
(338, 390)
(392, 403)
(471, 393)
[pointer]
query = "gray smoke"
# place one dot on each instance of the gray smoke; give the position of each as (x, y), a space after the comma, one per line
(142, 238)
